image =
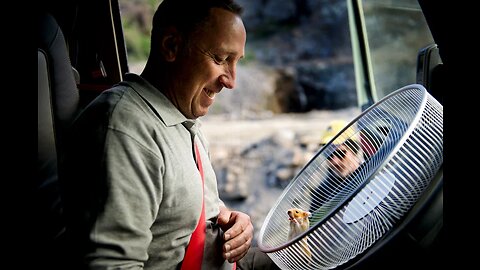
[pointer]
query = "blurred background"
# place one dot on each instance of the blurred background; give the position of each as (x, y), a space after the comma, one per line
(298, 74)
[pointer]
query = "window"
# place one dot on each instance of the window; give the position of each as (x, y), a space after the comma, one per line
(395, 32)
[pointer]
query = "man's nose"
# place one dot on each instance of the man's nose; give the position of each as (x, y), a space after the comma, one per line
(228, 79)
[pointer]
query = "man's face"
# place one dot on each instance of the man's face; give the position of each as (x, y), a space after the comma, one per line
(343, 161)
(208, 64)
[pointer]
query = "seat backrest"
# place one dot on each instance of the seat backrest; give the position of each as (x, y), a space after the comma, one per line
(58, 104)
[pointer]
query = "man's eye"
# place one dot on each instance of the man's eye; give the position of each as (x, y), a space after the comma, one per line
(219, 60)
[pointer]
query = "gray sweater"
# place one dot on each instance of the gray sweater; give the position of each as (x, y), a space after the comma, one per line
(133, 197)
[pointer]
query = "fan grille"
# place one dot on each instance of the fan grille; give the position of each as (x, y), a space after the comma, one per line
(401, 149)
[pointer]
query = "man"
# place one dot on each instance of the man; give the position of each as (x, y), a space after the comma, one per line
(344, 160)
(139, 176)
(341, 162)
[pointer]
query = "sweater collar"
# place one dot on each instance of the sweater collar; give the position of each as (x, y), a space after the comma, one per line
(162, 106)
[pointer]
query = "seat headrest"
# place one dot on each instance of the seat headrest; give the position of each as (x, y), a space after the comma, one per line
(65, 96)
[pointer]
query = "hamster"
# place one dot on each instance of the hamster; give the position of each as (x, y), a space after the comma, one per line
(299, 223)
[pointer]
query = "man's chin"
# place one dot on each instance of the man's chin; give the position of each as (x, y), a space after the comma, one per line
(200, 113)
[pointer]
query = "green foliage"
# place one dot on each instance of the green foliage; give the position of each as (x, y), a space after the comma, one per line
(136, 21)
(138, 44)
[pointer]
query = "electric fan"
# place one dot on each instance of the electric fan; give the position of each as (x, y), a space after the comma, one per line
(397, 147)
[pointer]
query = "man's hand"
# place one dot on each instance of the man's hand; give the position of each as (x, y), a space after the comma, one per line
(238, 233)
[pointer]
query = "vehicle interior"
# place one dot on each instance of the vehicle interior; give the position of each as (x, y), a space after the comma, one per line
(82, 52)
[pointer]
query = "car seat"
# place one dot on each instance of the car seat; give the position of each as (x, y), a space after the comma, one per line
(58, 104)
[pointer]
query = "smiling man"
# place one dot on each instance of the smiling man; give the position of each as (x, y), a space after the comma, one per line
(196, 63)
(140, 182)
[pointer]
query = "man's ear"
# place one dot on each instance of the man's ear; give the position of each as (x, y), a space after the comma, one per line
(170, 43)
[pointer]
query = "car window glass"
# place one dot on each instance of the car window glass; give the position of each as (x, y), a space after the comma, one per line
(396, 31)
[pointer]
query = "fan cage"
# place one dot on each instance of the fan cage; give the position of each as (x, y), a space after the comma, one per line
(400, 141)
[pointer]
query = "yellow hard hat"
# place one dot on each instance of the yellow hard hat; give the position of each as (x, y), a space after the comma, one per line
(333, 128)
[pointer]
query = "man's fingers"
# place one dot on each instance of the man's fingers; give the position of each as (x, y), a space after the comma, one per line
(242, 223)
(237, 253)
(240, 240)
